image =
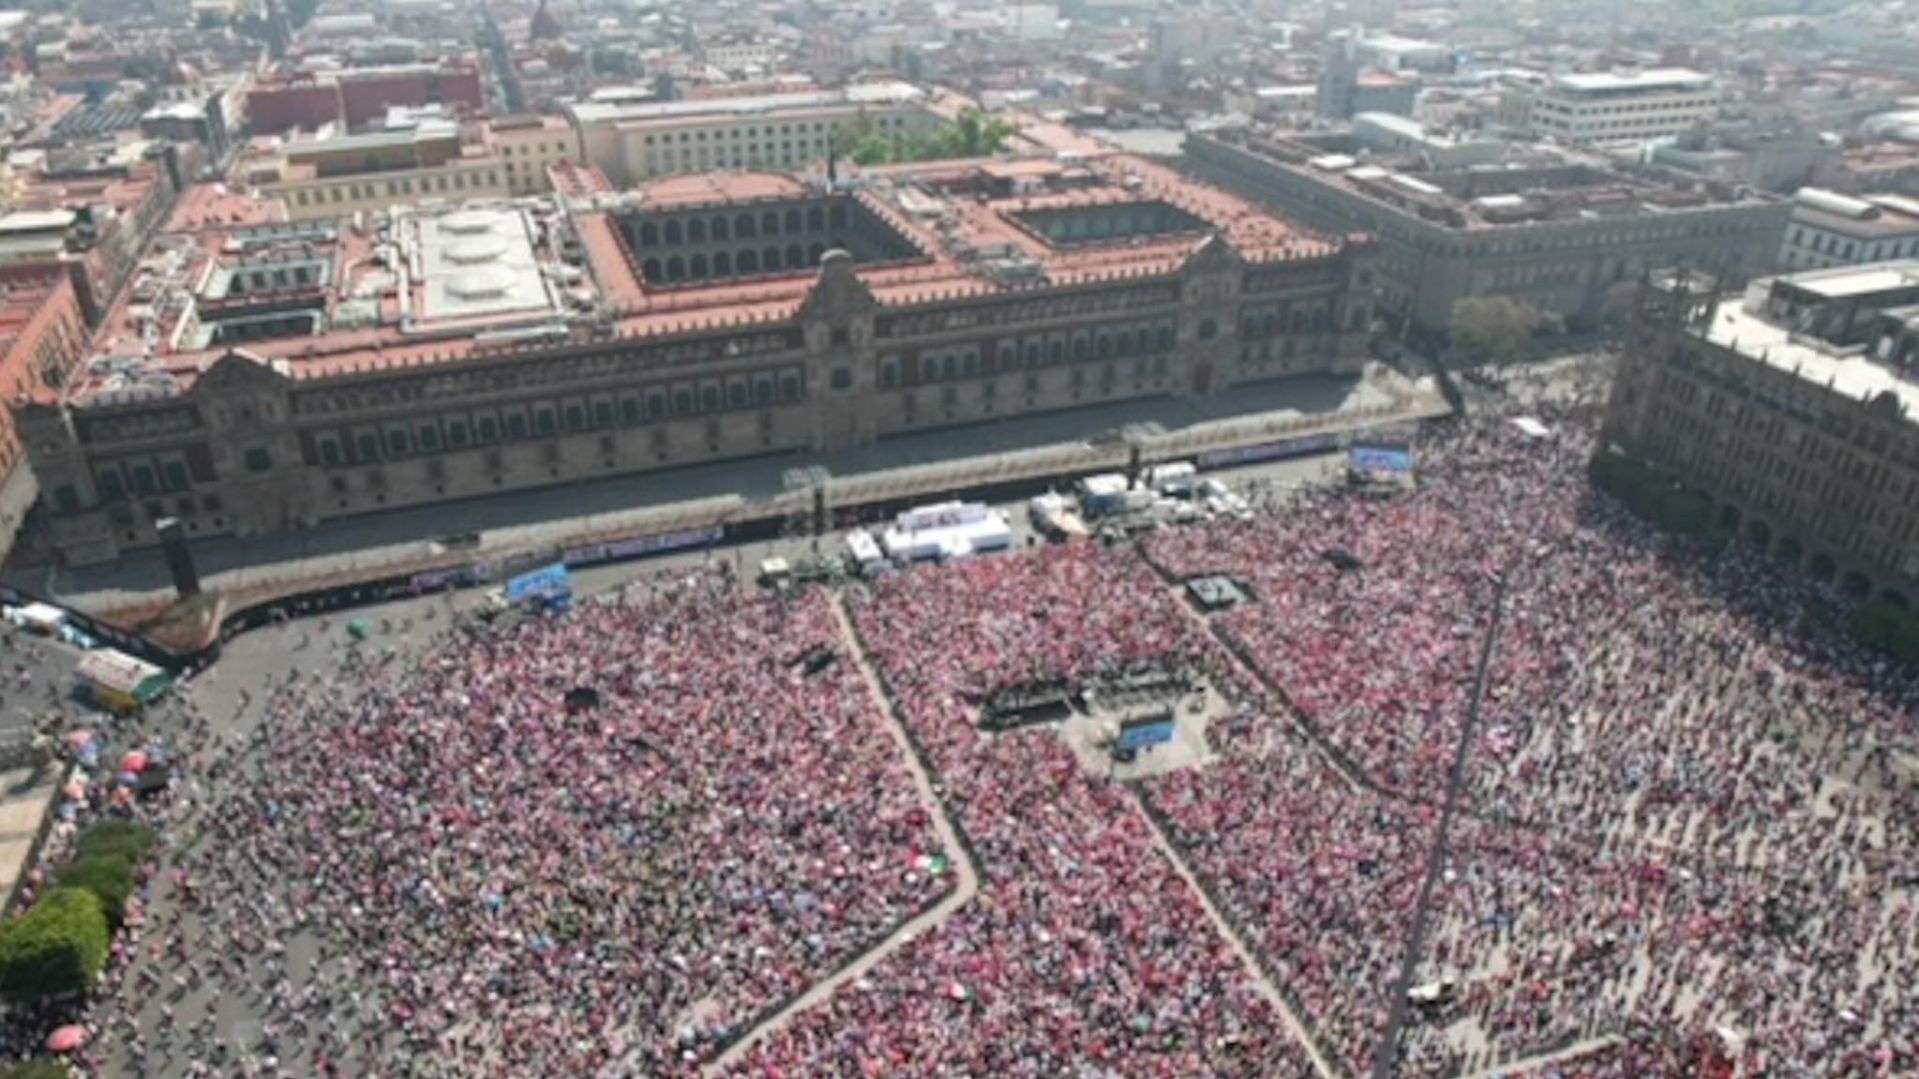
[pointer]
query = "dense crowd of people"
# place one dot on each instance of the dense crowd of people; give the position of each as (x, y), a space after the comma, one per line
(599, 844)
(613, 842)
(1667, 776)
(1086, 952)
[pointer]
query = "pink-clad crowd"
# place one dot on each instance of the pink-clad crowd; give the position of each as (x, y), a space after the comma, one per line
(1085, 952)
(1684, 844)
(1669, 758)
(545, 887)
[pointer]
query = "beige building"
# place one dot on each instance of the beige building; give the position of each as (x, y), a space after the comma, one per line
(1795, 406)
(463, 352)
(631, 142)
(328, 175)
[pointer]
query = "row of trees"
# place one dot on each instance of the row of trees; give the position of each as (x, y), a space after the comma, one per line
(1651, 494)
(1889, 628)
(59, 947)
(971, 135)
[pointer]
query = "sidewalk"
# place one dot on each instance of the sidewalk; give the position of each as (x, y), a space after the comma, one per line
(23, 808)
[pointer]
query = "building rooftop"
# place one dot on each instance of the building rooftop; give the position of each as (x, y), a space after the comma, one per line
(327, 298)
(1618, 82)
(626, 111)
(1755, 326)
(1537, 185)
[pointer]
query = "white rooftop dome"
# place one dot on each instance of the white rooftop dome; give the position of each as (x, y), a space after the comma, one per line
(467, 222)
(472, 252)
(483, 283)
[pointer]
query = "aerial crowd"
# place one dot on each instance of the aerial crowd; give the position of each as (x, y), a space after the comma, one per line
(627, 840)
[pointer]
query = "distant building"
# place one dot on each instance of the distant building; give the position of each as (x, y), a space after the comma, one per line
(635, 141)
(355, 97)
(1564, 232)
(43, 335)
(1796, 407)
(1624, 106)
(421, 157)
(1829, 229)
(1348, 85)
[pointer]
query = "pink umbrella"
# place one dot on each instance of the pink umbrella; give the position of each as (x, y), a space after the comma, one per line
(67, 1038)
(79, 738)
(76, 791)
(135, 761)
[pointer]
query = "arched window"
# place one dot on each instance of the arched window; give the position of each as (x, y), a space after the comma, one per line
(722, 264)
(795, 258)
(696, 265)
(675, 269)
(816, 219)
(743, 226)
(672, 233)
(696, 231)
(792, 221)
(769, 223)
(650, 269)
(748, 262)
(770, 258)
(649, 234)
(719, 228)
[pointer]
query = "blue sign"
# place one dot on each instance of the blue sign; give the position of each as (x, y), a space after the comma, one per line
(1381, 459)
(1152, 732)
(547, 582)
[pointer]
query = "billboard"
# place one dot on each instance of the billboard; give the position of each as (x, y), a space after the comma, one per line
(1394, 459)
(547, 582)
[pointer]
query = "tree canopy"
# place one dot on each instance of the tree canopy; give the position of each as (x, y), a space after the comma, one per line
(1496, 328)
(57, 949)
(970, 135)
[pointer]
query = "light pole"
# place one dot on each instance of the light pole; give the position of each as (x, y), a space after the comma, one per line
(1385, 1061)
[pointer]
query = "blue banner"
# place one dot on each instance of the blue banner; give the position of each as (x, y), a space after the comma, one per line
(1151, 732)
(1381, 459)
(547, 582)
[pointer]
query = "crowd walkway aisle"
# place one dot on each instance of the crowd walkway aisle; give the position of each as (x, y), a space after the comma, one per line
(959, 855)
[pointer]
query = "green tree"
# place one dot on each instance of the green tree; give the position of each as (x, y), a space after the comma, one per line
(1495, 328)
(57, 949)
(108, 876)
(127, 838)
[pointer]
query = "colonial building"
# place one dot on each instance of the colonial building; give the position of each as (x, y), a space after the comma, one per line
(318, 370)
(1560, 230)
(1796, 407)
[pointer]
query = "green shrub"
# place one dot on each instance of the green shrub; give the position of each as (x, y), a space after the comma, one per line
(109, 877)
(57, 949)
(126, 838)
(38, 1069)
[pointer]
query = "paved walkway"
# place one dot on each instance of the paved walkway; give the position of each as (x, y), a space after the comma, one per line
(1225, 928)
(24, 798)
(927, 921)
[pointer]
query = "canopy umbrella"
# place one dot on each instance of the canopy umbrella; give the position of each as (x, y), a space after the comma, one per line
(67, 1038)
(135, 761)
(80, 739)
(357, 629)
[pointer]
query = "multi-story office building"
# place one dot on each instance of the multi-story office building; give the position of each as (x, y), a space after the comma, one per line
(1563, 232)
(288, 373)
(419, 157)
(1624, 106)
(631, 142)
(1829, 229)
(1795, 406)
